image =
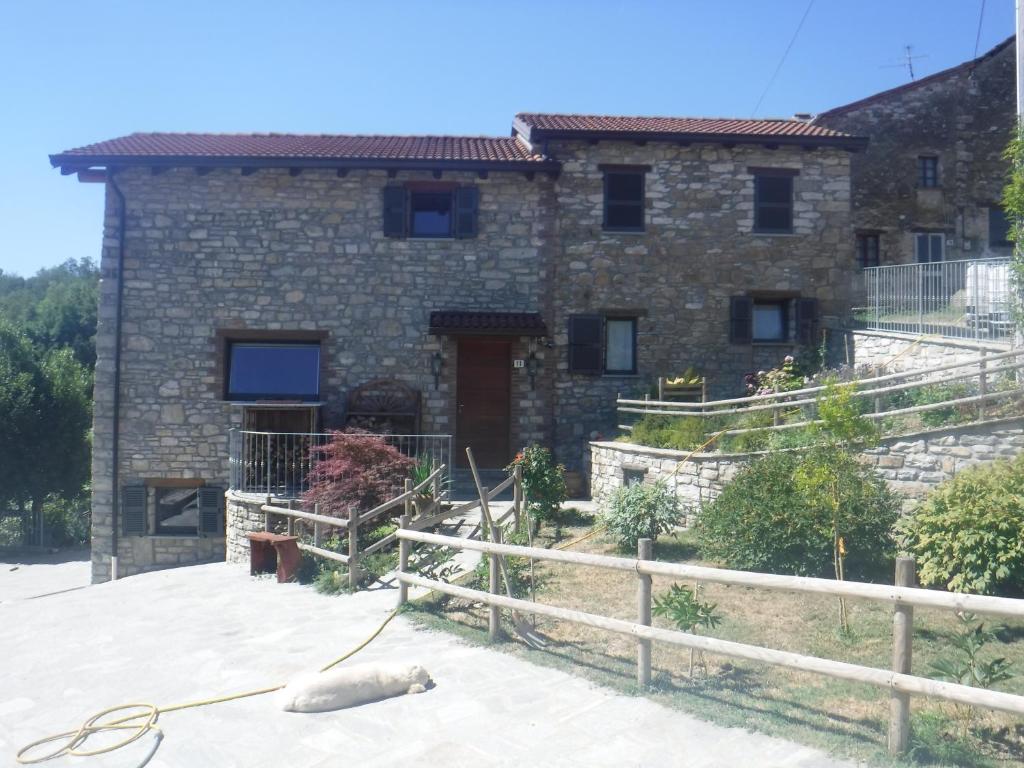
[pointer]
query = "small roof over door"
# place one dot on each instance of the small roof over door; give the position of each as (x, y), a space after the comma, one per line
(461, 322)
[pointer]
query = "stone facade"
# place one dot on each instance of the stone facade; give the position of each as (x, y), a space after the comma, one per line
(697, 250)
(911, 464)
(224, 254)
(965, 117)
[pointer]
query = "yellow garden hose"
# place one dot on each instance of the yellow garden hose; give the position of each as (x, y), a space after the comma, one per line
(73, 740)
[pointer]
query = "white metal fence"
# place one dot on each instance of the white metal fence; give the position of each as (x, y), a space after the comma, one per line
(279, 463)
(959, 299)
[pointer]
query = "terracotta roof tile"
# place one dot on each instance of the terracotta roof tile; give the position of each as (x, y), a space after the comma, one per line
(508, 323)
(281, 146)
(541, 125)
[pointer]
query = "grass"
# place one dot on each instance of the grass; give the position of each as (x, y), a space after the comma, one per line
(846, 719)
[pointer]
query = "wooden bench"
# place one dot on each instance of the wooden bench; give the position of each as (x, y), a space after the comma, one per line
(272, 552)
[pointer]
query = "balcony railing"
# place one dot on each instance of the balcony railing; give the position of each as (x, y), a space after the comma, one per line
(968, 299)
(279, 463)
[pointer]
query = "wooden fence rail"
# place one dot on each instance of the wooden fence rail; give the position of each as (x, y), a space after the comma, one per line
(901, 596)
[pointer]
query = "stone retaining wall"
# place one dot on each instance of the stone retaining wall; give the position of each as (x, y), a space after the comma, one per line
(243, 516)
(899, 352)
(911, 464)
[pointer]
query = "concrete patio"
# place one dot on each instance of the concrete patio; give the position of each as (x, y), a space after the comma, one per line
(202, 631)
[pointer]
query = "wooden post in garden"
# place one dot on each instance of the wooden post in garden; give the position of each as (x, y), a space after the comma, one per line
(902, 648)
(404, 546)
(517, 495)
(982, 384)
(408, 506)
(291, 521)
(644, 550)
(493, 612)
(316, 526)
(266, 515)
(353, 549)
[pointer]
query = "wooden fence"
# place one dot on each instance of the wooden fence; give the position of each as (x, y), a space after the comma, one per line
(902, 596)
(778, 403)
(418, 514)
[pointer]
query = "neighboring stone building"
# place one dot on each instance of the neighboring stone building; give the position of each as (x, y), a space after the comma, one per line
(929, 186)
(514, 285)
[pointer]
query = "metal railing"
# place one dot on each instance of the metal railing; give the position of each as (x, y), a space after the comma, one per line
(279, 463)
(958, 299)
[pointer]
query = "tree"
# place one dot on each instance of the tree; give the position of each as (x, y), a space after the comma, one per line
(45, 413)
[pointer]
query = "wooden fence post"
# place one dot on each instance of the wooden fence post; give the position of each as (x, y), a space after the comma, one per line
(644, 550)
(317, 537)
(291, 521)
(982, 384)
(517, 495)
(403, 560)
(902, 648)
(266, 515)
(493, 612)
(407, 505)
(353, 549)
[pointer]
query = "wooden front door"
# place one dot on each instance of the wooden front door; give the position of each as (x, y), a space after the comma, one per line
(483, 393)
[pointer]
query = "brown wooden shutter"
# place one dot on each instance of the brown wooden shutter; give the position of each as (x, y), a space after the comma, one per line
(394, 211)
(585, 344)
(467, 202)
(133, 510)
(806, 321)
(741, 320)
(210, 500)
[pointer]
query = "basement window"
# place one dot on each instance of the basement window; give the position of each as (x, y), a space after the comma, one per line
(177, 511)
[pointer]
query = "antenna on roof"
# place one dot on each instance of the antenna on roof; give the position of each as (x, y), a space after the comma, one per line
(908, 61)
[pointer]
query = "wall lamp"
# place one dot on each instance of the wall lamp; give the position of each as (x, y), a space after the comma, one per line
(436, 363)
(532, 367)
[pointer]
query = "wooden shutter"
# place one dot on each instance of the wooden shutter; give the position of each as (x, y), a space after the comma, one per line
(133, 510)
(467, 200)
(741, 320)
(394, 211)
(585, 347)
(210, 500)
(806, 321)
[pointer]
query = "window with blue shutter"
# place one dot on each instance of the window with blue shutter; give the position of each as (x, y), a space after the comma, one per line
(394, 211)
(741, 320)
(133, 510)
(210, 500)
(806, 321)
(585, 344)
(467, 201)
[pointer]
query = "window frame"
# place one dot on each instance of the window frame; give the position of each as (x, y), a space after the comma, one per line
(229, 346)
(773, 173)
(632, 319)
(931, 237)
(783, 305)
(996, 208)
(863, 254)
(167, 487)
(410, 229)
(928, 172)
(609, 171)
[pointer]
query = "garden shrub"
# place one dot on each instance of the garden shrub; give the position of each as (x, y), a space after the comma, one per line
(543, 482)
(762, 520)
(938, 393)
(685, 433)
(968, 534)
(355, 470)
(639, 511)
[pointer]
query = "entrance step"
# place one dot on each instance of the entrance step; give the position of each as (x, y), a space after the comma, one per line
(464, 489)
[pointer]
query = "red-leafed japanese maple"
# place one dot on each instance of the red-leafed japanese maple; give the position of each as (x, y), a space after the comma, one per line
(355, 469)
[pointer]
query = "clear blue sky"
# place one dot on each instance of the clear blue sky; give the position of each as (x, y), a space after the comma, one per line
(72, 73)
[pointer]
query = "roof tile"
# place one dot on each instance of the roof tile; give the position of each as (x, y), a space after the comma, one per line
(715, 126)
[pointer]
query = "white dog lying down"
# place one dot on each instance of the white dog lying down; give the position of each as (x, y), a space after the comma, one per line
(351, 686)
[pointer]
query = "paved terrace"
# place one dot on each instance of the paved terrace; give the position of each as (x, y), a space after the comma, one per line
(179, 635)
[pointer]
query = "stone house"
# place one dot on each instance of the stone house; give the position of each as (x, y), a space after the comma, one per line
(513, 285)
(929, 185)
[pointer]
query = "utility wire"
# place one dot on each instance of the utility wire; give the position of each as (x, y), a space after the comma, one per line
(977, 37)
(783, 59)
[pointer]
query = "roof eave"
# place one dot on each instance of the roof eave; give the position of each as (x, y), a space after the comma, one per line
(850, 143)
(74, 163)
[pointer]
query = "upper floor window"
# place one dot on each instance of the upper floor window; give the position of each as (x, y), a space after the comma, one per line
(276, 370)
(867, 249)
(430, 210)
(998, 227)
(770, 318)
(773, 199)
(927, 171)
(624, 197)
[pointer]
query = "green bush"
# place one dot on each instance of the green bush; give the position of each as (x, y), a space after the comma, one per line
(938, 393)
(642, 510)
(67, 522)
(762, 520)
(968, 535)
(676, 433)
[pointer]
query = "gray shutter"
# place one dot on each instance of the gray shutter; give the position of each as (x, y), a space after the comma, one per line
(210, 500)
(806, 321)
(741, 320)
(467, 200)
(585, 344)
(133, 510)
(394, 211)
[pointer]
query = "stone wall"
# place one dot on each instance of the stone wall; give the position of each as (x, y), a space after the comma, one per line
(243, 516)
(898, 352)
(965, 116)
(911, 464)
(698, 250)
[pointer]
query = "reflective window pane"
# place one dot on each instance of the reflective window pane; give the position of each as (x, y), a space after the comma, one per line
(769, 322)
(431, 214)
(177, 510)
(274, 371)
(620, 354)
